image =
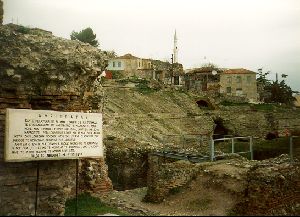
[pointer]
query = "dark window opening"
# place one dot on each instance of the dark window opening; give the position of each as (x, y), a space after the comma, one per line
(176, 80)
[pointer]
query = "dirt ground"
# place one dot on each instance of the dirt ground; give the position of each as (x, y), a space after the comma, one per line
(212, 193)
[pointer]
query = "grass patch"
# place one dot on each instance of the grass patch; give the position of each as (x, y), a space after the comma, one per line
(228, 103)
(266, 148)
(258, 107)
(89, 206)
(270, 148)
(264, 107)
(261, 149)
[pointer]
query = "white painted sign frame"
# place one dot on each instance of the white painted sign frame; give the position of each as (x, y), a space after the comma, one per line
(52, 135)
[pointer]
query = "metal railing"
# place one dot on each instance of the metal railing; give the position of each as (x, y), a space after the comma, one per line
(212, 146)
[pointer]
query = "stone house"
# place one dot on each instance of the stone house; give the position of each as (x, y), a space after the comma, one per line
(164, 72)
(131, 65)
(230, 82)
(239, 82)
(167, 73)
(202, 79)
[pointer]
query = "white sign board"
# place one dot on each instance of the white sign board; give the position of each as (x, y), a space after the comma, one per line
(50, 135)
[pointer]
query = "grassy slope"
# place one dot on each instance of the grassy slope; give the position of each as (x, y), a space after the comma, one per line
(89, 206)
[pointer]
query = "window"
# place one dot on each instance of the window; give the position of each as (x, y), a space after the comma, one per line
(228, 90)
(139, 64)
(149, 65)
(229, 80)
(176, 80)
(238, 79)
(248, 79)
(119, 64)
(114, 64)
(239, 91)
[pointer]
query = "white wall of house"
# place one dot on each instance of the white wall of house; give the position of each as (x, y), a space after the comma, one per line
(116, 65)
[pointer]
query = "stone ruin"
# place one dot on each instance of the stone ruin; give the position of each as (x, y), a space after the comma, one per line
(44, 72)
(268, 187)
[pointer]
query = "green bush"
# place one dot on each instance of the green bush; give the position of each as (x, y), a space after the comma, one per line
(23, 29)
(117, 74)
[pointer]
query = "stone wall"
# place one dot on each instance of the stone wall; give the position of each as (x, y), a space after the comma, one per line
(127, 165)
(245, 121)
(40, 71)
(1, 12)
(269, 187)
(273, 189)
(165, 176)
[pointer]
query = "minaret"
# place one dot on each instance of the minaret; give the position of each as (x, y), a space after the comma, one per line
(175, 50)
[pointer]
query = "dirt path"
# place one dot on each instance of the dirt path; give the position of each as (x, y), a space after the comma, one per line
(198, 199)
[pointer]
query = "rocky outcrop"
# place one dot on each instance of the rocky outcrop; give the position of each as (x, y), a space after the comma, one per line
(39, 62)
(41, 71)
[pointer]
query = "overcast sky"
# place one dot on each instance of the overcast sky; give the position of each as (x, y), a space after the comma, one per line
(229, 33)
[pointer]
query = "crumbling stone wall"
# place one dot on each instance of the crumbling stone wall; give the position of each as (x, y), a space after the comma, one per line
(273, 189)
(165, 176)
(245, 121)
(269, 187)
(1, 12)
(128, 164)
(40, 71)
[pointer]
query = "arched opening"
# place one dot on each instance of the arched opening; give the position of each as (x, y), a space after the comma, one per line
(202, 104)
(205, 104)
(219, 129)
(271, 135)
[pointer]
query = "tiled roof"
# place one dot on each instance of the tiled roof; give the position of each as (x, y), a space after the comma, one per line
(238, 71)
(203, 70)
(128, 56)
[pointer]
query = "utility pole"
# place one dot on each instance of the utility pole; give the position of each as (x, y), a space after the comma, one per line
(172, 59)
